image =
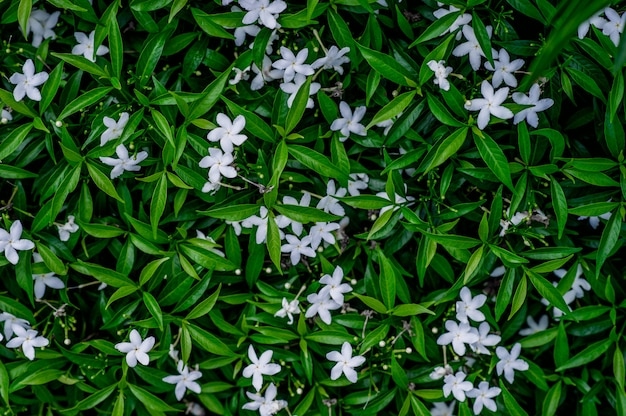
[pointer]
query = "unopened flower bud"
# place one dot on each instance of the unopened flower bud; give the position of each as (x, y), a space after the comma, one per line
(58, 123)
(381, 344)
(238, 272)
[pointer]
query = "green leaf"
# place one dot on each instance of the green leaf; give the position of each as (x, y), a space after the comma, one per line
(85, 100)
(388, 67)
(209, 96)
(82, 63)
(153, 307)
(392, 109)
(512, 407)
(207, 259)
(4, 384)
(609, 238)
(551, 401)
(441, 113)
(206, 23)
(586, 82)
(149, 269)
(7, 98)
(443, 150)
(273, 241)
(494, 158)
(482, 36)
(23, 13)
(209, 342)
(387, 281)
(305, 214)
(559, 204)
(233, 212)
(94, 399)
(11, 172)
(205, 306)
(157, 204)
(297, 107)
(373, 337)
(104, 275)
(254, 124)
(548, 291)
(103, 182)
(410, 309)
(14, 140)
(316, 161)
(116, 47)
(373, 303)
(437, 28)
(50, 88)
(589, 354)
(152, 403)
(50, 259)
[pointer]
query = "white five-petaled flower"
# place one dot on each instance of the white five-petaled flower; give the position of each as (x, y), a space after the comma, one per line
(534, 327)
(357, 182)
(265, 74)
(346, 363)
(27, 83)
(41, 24)
(261, 222)
(472, 47)
(293, 64)
(460, 21)
(530, 114)
(322, 231)
(85, 46)
(504, 69)
(125, 162)
(260, 366)
(137, 349)
(490, 104)
(12, 241)
(349, 122)
(218, 163)
(262, 11)
(595, 20)
(297, 248)
(321, 304)
(292, 89)
(184, 381)
(468, 306)
(27, 339)
(509, 362)
(266, 405)
(66, 229)
(114, 128)
(331, 204)
(46, 279)
(614, 27)
(442, 409)
(10, 320)
(458, 336)
(229, 132)
(441, 73)
(485, 339)
(333, 286)
(483, 397)
(333, 60)
(289, 309)
(456, 385)
(579, 285)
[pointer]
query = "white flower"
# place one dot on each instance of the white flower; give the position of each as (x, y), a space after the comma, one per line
(46, 279)
(265, 74)
(357, 182)
(260, 222)
(297, 248)
(12, 241)
(456, 385)
(509, 362)
(515, 220)
(441, 73)
(219, 165)
(440, 372)
(41, 24)
(579, 284)
(614, 27)
(239, 75)
(490, 104)
(85, 46)
(534, 327)
(292, 89)
(333, 286)
(289, 309)
(442, 409)
(472, 47)
(262, 11)
(483, 396)
(349, 122)
(398, 201)
(27, 339)
(504, 69)
(26, 84)
(322, 231)
(458, 336)
(460, 21)
(283, 221)
(200, 234)
(10, 320)
(484, 340)
(321, 304)
(185, 381)
(467, 307)
(293, 64)
(125, 162)
(595, 221)
(595, 20)
(331, 204)
(530, 114)
(6, 116)
(346, 363)
(136, 350)
(266, 405)
(333, 60)
(498, 271)
(114, 128)
(259, 367)
(228, 134)
(67, 228)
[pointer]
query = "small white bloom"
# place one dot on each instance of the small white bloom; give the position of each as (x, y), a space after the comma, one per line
(219, 165)
(260, 366)
(229, 132)
(26, 84)
(485, 340)
(579, 285)
(614, 27)
(346, 363)
(468, 306)
(292, 89)
(534, 327)
(10, 320)
(6, 116)
(12, 241)
(357, 182)
(509, 362)
(137, 349)
(297, 248)
(397, 203)
(504, 69)
(239, 75)
(85, 46)
(322, 231)
(440, 372)
(260, 222)
(333, 60)
(458, 336)
(331, 204)
(289, 309)
(333, 286)
(321, 304)
(41, 24)
(114, 128)
(66, 229)
(262, 11)
(283, 221)
(442, 409)
(595, 221)
(460, 21)
(265, 74)
(490, 104)
(595, 20)
(266, 405)
(184, 381)
(125, 162)
(456, 385)
(441, 73)
(483, 396)
(349, 122)
(46, 279)
(27, 339)
(530, 114)
(293, 64)
(472, 47)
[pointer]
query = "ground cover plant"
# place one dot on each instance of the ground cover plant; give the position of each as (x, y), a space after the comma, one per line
(312, 207)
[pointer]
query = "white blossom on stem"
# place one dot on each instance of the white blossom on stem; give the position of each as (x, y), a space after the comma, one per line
(262, 11)
(333, 60)
(614, 27)
(346, 363)
(229, 132)
(12, 241)
(114, 128)
(441, 73)
(509, 362)
(85, 46)
(334, 286)
(457, 385)
(460, 21)
(10, 320)
(490, 104)
(289, 309)
(534, 327)
(321, 304)
(349, 122)
(504, 69)
(485, 339)
(468, 306)
(483, 397)
(26, 84)
(331, 204)
(260, 366)
(297, 247)
(293, 64)
(41, 24)
(266, 405)
(137, 349)
(219, 164)
(322, 231)
(46, 279)
(530, 114)
(458, 336)
(472, 47)
(292, 89)
(125, 162)
(27, 339)
(184, 381)
(66, 229)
